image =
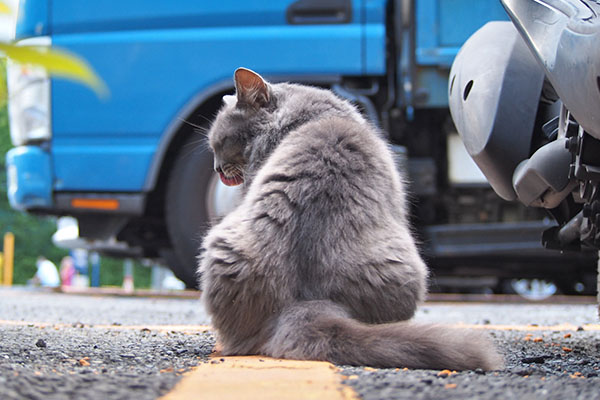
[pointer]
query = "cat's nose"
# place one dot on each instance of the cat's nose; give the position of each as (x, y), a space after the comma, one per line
(218, 169)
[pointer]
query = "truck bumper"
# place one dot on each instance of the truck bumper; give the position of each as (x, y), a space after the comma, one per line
(29, 176)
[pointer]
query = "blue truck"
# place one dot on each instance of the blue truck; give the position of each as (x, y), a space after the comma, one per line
(132, 170)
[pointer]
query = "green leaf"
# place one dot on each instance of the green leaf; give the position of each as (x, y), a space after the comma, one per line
(3, 90)
(5, 9)
(57, 63)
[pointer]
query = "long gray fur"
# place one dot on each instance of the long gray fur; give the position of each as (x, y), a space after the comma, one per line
(318, 261)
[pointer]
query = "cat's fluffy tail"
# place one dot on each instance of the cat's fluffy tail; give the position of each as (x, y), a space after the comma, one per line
(321, 330)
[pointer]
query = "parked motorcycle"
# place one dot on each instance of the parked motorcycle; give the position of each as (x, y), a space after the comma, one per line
(525, 98)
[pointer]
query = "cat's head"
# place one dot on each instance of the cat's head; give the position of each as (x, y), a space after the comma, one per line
(241, 118)
(251, 123)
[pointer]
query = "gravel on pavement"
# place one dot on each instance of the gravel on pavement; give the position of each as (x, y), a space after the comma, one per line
(57, 346)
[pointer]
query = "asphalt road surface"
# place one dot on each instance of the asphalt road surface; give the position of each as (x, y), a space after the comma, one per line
(58, 346)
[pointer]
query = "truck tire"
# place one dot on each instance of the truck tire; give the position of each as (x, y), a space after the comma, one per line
(180, 270)
(598, 287)
(186, 208)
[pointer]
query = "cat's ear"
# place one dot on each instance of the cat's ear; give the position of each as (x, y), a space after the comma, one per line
(251, 88)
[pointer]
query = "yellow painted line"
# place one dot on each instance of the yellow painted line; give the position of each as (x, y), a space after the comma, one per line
(257, 377)
(160, 328)
(120, 292)
(465, 299)
(559, 327)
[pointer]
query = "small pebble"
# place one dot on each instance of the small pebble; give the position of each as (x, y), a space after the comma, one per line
(41, 343)
(534, 360)
(523, 372)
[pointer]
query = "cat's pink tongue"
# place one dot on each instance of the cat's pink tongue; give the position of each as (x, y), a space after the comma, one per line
(236, 180)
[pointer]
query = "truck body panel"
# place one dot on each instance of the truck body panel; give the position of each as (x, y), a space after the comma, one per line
(164, 60)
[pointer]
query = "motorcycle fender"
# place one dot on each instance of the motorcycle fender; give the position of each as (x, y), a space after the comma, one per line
(494, 91)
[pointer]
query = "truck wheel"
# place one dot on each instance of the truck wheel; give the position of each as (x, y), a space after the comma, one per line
(186, 211)
(194, 198)
(598, 288)
(180, 270)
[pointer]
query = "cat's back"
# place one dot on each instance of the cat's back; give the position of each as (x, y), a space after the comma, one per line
(331, 145)
(334, 158)
(333, 178)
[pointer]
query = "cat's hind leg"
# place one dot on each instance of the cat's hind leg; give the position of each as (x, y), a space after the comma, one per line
(237, 309)
(242, 290)
(386, 291)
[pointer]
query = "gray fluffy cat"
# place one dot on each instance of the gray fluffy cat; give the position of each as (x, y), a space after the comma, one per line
(318, 261)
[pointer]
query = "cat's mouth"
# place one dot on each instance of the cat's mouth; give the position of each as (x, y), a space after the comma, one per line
(233, 180)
